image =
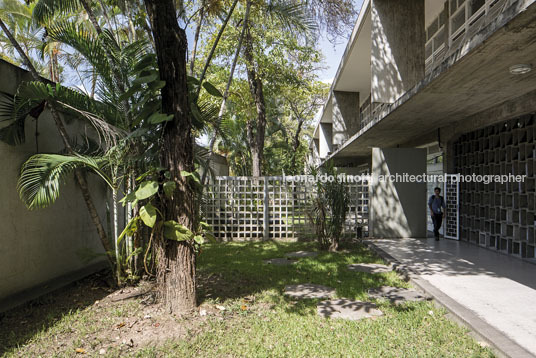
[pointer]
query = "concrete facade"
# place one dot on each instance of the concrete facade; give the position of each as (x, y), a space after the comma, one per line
(397, 56)
(397, 208)
(41, 246)
(440, 79)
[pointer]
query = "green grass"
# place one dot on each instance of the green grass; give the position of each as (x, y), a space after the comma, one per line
(259, 321)
(277, 326)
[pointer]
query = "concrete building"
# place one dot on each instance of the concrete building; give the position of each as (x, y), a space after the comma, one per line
(440, 86)
(41, 250)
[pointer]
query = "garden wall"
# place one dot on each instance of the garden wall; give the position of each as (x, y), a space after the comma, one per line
(40, 249)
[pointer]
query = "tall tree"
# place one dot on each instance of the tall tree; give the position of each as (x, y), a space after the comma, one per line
(255, 128)
(176, 259)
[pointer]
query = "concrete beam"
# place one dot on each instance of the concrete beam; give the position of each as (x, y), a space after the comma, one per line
(397, 53)
(398, 209)
(345, 115)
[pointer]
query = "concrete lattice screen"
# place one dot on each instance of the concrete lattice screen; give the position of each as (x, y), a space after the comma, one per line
(257, 208)
(499, 216)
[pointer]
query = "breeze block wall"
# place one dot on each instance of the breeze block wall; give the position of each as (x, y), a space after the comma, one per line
(499, 216)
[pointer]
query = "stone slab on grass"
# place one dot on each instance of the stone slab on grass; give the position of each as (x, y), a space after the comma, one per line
(302, 254)
(370, 268)
(347, 309)
(280, 261)
(396, 295)
(309, 290)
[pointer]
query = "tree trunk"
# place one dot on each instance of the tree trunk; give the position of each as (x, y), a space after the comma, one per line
(296, 143)
(116, 234)
(175, 260)
(227, 88)
(255, 132)
(196, 37)
(334, 245)
(215, 44)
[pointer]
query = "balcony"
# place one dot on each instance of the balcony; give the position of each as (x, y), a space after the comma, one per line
(460, 19)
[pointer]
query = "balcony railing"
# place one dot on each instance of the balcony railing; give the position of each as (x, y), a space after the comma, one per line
(459, 19)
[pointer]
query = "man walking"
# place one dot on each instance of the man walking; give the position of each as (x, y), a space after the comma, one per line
(437, 206)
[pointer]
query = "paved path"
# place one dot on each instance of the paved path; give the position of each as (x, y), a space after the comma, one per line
(492, 292)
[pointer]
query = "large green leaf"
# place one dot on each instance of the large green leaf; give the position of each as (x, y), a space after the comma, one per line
(130, 229)
(211, 89)
(177, 232)
(148, 214)
(146, 79)
(169, 188)
(199, 239)
(146, 189)
(160, 117)
(130, 197)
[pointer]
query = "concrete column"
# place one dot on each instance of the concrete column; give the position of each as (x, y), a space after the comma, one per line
(345, 115)
(325, 140)
(397, 53)
(398, 209)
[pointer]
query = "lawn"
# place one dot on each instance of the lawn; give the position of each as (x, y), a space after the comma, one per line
(242, 314)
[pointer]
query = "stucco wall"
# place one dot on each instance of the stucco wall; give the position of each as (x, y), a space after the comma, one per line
(41, 245)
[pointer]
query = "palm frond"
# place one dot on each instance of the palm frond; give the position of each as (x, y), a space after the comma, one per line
(100, 115)
(15, 9)
(44, 10)
(42, 175)
(85, 40)
(13, 113)
(292, 15)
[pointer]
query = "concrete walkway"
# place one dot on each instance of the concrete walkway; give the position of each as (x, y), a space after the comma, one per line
(493, 293)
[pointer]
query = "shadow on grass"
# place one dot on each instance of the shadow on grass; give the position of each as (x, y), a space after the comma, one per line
(235, 270)
(21, 324)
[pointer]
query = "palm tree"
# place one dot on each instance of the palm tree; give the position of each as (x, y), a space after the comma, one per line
(17, 17)
(108, 116)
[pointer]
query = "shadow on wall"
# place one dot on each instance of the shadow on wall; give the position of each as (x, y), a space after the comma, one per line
(397, 60)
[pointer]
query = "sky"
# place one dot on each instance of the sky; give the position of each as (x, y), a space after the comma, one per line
(333, 54)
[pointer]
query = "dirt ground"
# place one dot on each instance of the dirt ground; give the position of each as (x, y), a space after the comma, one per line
(123, 320)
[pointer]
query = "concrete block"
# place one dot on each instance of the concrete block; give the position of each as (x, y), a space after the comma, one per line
(396, 295)
(309, 291)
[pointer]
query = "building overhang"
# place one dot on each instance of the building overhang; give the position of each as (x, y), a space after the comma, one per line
(474, 78)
